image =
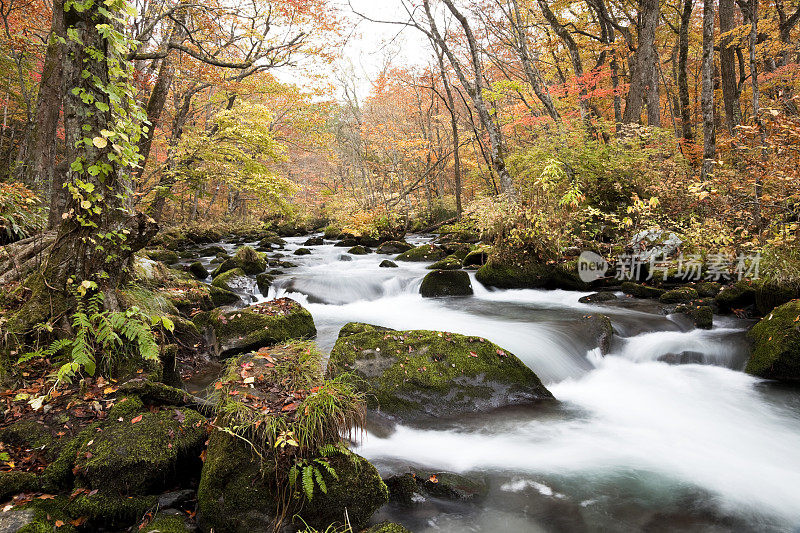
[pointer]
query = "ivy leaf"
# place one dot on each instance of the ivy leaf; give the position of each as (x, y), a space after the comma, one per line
(100, 142)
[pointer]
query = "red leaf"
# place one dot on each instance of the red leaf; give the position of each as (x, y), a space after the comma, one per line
(136, 419)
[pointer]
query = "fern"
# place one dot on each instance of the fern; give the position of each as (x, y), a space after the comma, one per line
(308, 481)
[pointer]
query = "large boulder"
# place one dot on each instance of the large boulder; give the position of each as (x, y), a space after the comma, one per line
(393, 247)
(776, 344)
(450, 262)
(507, 275)
(637, 290)
(654, 244)
(680, 295)
(234, 281)
(737, 297)
(246, 258)
(423, 375)
(426, 252)
(446, 283)
(259, 325)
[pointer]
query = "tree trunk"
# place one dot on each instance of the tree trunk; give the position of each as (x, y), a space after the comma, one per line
(37, 155)
(683, 75)
(707, 95)
(759, 185)
(451, 107)
(727, 62)
(644, 86)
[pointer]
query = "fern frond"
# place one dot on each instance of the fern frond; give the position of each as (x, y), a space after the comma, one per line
(308, 481)
(320, 480)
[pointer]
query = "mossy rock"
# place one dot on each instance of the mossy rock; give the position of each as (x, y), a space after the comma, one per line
(446, 283)
(198, 270)
(420, 375)
(426, 252)
(143, 453)
(270, 240)
(459, 235)
(38, 516)
(209, 251)
(637, 290)
(458, 249)
(528, 276)
(740, 295)
(707, 289)
(450, 262)
(151, 302)
(387, 527)
(257, 326)
(302, 251)
(477, 257)
(393, 247)
(359, 492)
(358, 250)
(353, 328)
(247, 259)
(776, 344)
(332, 232)
(314, 241)
(163, 256)
(264, 282)
(126, 406)
(154, 393)
(388, 264)
(771, 294)
(402, 488)
(233, 281)
(599, 328)
(168, 523)
(222, 297)
(13, 482)
(29, 434)
(598, 297)
(451, 486)
(679, 296)
(702, 315)
(110, 510)
(347, 242)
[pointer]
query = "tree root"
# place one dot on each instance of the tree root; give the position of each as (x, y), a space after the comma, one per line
(19, 259)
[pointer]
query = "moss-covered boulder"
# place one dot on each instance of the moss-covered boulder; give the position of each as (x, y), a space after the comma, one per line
(393, 247)
(358, 250)
(246, 259)
(739, 296)
(271, 240)
(707, 289)
(314, 241)
(776, 344)
(451, 486)
(14, 482)
(419, 375)
(450, 262)
(680, 295)
(198, 270)
(142, 453)
(599, 328)
(477, 257)
(598, 297)
(166, 522)
(233, 281)
(302, 251)
(771, 294)
(347, 242)
(426, 252)
(264, 282)
(222, 297)
(387, 527)
(164, 256)
(446, 283)
(528, 276)
(702, 315)
(637, 290)
(388, 264)
(256, 326)
(353, 328)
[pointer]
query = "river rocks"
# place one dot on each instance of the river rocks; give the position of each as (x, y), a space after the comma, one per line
(393, 247)
(477, 257)
(419, 375)
(388, 264)
(771, 294)
(450, 262)
(527, 276)
(654, 243)
(233, 281)
(446, 283)
(246, 258)
(707, 289)
(353, 328)
(347, 242)
(314, 241)
(358, 250)
(599, 328)
(739, 296)
(387, 527)
(776, 344)
(271, 240)
(702, 315)
(141, 453)
(264, 282)
(345, 258)
(256, 326)
(164, 256)
(451, 486)
(302, 251)
(637, 290)
(598, 297)
(198, 270)
(222, 297)
(679, 296)
(426, 252)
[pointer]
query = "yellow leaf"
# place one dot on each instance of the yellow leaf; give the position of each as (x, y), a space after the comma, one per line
(100, 142)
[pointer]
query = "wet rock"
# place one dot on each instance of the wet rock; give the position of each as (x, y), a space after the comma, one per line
(426, 252)
(358, 250)
(477, 257)
(175, 498)
(347, 242)
(654, 243)
(707, 289)
(264, 282)
(246, 258)
(702, 315)
(388, 264)
(771, 294)
(450, 486)
(256, 326)
(680, 295)
(198, 270)
(353, 328)
(419, 375)
(528, 276)
(776, 344)
(683, 358)
(450, 262)
(222, 297)
(302, 251)
(393, 247)
(457, 249)
(637, 290)
(345, 258)
(402, 488)
(598, 297)
(164, 256)
(233, 281)
(387, 527)
(212, 251)
(314, 241)
(446, 283)
(271, 240)
(599, 327)
(169, 522)
(739, 296)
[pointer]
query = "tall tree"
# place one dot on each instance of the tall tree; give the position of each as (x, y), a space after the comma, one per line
(683, 73)
(644, 85)
(707, 96)
(727, 65)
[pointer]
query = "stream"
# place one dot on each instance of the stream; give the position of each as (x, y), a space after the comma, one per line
(664, 433)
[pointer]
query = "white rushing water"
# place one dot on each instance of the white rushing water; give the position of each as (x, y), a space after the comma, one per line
(632, 437)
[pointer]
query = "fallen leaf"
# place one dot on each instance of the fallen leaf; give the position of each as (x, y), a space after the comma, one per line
(136, 419)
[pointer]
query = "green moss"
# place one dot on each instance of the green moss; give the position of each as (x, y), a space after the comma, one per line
(527, 276)
(450, 262)
(426, 252)
(419, 374)
(228, 279)
(154, 393)
(387, 527)
(393, 247)
(388, 264)
(446, 283)
(771, 294)
(332, 232)
(357, 250)
(302, 251)
(163, 256)
(110, 509)
(740, 295)
(776, 344)
(41, 516)
(150, 302)
(198, 270)
(27, 433)
(125, 407)
(638, 290)
(264, 282)
(221, 297)
(353, 328)
(701, 315)
(680, 295)
(12, 483)
(167, 523)
(141, 453)
(707, 289)
(477, 257)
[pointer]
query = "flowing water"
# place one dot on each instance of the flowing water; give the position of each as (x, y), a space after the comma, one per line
(636, 443)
